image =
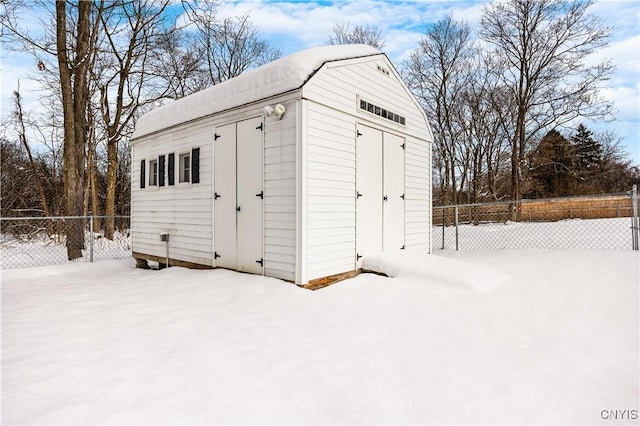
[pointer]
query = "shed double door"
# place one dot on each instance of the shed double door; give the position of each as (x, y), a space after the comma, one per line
(238, 196)
(379, 193)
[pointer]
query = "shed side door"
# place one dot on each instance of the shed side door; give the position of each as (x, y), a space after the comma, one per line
(369, 195)
(224, 225)
(393, 214)
(250, 195)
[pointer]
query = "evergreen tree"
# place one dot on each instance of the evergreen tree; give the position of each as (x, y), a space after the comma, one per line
(588, 153)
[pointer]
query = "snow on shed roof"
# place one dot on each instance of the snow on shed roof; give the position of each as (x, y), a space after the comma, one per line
(280, 76)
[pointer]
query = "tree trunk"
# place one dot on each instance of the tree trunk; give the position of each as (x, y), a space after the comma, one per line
(74, 90)
(95, 201)
(112, 169)
(517, 145)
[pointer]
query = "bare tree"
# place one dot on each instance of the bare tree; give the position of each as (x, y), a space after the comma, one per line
(542, 46)
(342, 33)
(69, 38)
(176, 64)
(22, 135)
(17, 191)
(74, 48)
(120, 73)
(486, 106)
(616, 171)
(231, 45)
(237, 48)
(438, 72)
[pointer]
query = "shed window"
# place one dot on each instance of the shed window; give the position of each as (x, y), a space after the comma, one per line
(382, 112)
(185, 168)
(153, 172)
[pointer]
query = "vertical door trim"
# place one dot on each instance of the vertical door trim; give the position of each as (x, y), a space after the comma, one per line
(301, 203)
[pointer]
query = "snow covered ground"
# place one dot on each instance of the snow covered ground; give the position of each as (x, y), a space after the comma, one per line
(503, 337)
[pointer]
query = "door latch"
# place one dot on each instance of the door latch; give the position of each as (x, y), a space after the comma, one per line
(238, 208)
(358, 195)
(260, 262)
(261, 195)
(216, 195)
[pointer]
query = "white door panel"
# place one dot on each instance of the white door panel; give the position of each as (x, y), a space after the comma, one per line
(393, 187)
(250, 200)
(369, 192)
(225, 196)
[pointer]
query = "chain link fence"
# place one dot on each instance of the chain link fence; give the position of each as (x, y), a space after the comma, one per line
(36, 241)
(604, 222)
(597, 222)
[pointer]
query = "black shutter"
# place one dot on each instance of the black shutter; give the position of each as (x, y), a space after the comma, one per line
(142, 174)
(195, 165)
(161, 171)
(171, 169)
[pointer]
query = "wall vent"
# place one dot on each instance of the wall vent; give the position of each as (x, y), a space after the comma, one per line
(382, 112)
(383, 70)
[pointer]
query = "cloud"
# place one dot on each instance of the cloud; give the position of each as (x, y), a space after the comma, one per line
(625, 55)
(626, 101)
(305, 24)
(621, 16)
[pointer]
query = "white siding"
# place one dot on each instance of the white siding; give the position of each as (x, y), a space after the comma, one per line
(280, 195)
(331, 192)
(339, 85)
(186, 211)
(182, 210)
(418, 195)
(335, 91)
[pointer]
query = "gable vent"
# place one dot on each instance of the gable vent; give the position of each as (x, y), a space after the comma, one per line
(382, 112)
(383, 70)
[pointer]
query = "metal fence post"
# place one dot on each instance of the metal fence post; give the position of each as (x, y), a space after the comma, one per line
(635, 220)
(90, 238)
(444, 220)
(456, 219)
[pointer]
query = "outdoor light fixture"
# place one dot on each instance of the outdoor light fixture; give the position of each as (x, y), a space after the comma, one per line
(279, 111)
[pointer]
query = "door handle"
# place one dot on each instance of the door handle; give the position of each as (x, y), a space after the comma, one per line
(238, 208)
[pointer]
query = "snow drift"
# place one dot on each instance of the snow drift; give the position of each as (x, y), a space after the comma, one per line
(436, 270)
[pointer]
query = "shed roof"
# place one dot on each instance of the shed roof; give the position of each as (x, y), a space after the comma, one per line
(280, 76)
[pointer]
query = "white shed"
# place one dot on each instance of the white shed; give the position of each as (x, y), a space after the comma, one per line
(297, 170)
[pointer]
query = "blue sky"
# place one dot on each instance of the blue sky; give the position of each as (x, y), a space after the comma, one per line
(291, 25)
(294, 25)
